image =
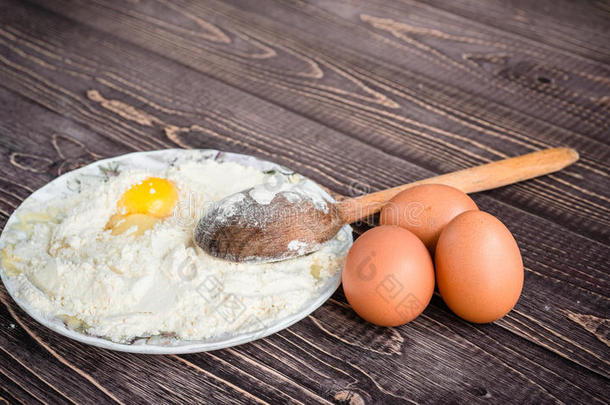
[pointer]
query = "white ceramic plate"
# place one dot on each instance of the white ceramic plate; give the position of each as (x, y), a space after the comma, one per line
(68, 184)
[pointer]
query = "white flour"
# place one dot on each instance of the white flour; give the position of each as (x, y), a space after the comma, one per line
(122, 287)
(293, 189)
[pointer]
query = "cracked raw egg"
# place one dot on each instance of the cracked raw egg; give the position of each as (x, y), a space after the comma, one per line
(142, 205)
(152, 196)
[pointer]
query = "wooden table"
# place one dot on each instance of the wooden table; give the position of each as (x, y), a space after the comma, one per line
(359, 95)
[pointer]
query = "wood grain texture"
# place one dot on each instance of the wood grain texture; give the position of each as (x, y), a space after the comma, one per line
(401, 108)
(359, 96)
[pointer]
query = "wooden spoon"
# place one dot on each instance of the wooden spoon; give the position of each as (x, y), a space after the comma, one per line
(241, 228)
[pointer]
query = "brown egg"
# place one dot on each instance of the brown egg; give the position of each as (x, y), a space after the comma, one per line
(479, 271)
(425, 210)
(388, 277)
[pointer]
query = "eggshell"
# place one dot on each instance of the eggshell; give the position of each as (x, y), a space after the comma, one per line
(479, 271)
(425, 210)
(388, 277)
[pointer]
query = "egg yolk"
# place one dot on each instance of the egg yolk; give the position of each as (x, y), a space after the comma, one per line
(153, 196)
(142, 206)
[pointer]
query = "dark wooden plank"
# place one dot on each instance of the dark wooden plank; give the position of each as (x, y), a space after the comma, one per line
(39, 150)
(9, 398)
(12, 393)
(578, 28)
(436, 359)
(26, 385)
(399, 108)
(504, 361)
(63, 381)
(500, 66)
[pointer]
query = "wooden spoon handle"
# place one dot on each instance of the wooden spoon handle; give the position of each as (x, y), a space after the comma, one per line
(478, 178)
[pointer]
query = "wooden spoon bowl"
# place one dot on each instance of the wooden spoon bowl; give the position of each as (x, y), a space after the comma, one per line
(241, 229)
